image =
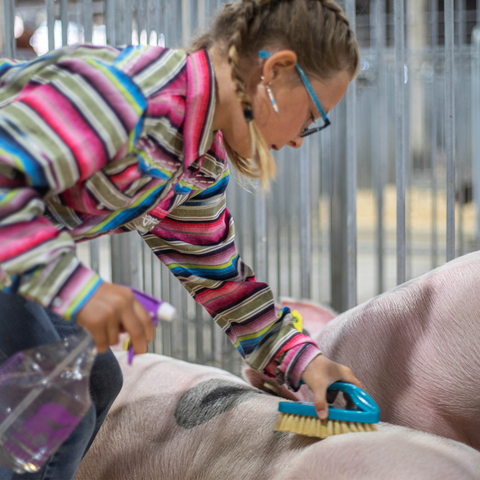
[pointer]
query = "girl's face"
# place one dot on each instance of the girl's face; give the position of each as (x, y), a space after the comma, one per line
(296, 110)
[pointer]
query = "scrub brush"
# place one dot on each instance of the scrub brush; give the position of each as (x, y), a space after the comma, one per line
(301, 418)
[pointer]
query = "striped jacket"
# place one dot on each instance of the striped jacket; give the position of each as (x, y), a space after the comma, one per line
(97, 140)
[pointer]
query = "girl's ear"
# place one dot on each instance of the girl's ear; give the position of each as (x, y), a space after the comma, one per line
(280, 63)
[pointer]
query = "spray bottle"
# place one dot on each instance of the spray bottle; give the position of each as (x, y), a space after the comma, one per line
(44, 393)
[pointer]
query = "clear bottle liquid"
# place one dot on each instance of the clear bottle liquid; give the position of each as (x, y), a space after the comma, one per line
(43, 396)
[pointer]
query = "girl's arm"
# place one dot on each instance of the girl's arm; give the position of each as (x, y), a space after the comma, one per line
(196, 242)
(62, 118)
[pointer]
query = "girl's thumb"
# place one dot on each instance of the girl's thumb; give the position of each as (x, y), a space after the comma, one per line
(321, 405)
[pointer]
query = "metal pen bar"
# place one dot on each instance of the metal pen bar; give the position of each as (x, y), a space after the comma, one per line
(380, 140)
(50, 7)
(462, 100)
(64, 20)
(434, 132)
(326, 195)
(118, 10)
(202, 15)
(260, 236)
(399, 26)
(10, 42)
(351, 181)
(149, 9)
(314, 178)
(186, 27)
(87, 13)
(277, 199)
(128, 23)
(305, 219)
(289, 180)
(141, 20)
(110, 21)
(450, 126)
(476, 120)
(460, 21)
(95, 254)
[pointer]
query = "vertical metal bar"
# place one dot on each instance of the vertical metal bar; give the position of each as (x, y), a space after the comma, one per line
(476, 120)
(351, 183)
(326, 195)
(305, 218)
(461, 108)
(110, 21)
(64, 19)
(178, 327)
(218, 345)
(119, 14)
(50, 7)
(186, 22)
(380, 138)
(202, 15)
(10, 43)
(87, 13)
(199, 327)
(149, 19)
(95, 254)
(140, 10)
(278, 204)
(399, 13)
(128, 22)
(260, 236)
(450, 126)
(434, 132)
(135, 269)
(289, 212)
(461, 30)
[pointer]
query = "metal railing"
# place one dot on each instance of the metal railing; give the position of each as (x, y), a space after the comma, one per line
(359, 208)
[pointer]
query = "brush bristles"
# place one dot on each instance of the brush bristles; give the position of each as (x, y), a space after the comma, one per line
(315, 427)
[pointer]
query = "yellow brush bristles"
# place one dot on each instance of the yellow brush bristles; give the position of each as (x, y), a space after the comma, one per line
(315, 427)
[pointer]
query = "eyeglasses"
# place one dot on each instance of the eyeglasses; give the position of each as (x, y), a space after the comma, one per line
(313, 96)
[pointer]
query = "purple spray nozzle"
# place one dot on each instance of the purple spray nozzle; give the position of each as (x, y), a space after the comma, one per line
(157, 309)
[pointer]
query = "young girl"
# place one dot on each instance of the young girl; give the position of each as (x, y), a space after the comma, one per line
(103, 140)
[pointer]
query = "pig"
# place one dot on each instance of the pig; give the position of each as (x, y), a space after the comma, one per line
(415, 348)
(174, 420)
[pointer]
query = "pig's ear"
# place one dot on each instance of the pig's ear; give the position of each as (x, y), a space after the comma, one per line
(262, 382)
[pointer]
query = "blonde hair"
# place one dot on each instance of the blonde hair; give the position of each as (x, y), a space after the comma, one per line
(316, 30)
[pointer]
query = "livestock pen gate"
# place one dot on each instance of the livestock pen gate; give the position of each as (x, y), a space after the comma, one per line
(388, 192)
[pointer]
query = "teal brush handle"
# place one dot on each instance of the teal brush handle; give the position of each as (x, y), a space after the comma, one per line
(366, 411)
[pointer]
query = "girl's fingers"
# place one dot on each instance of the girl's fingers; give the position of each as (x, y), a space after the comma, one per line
(145, 320)
(113, 332)
(135, 329)
(101, 339)
(349, 377)
(321, 405)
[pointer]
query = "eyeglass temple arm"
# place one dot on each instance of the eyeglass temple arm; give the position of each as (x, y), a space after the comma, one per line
(308, 86)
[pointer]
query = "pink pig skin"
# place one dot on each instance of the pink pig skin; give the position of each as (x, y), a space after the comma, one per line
(416, 349)
(142, 438)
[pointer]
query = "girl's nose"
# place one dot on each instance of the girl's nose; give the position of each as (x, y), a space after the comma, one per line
(296, 142)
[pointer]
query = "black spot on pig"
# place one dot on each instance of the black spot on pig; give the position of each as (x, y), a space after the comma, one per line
(208, 399)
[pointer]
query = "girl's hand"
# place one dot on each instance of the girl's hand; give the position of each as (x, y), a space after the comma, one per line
(113, 309)
(320, 374)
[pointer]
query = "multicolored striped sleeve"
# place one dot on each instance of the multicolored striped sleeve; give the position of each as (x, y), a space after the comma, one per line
(196, 242)
(62, 118)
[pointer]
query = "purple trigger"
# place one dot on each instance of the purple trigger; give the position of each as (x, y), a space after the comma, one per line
(150, 304)
(131, 353)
